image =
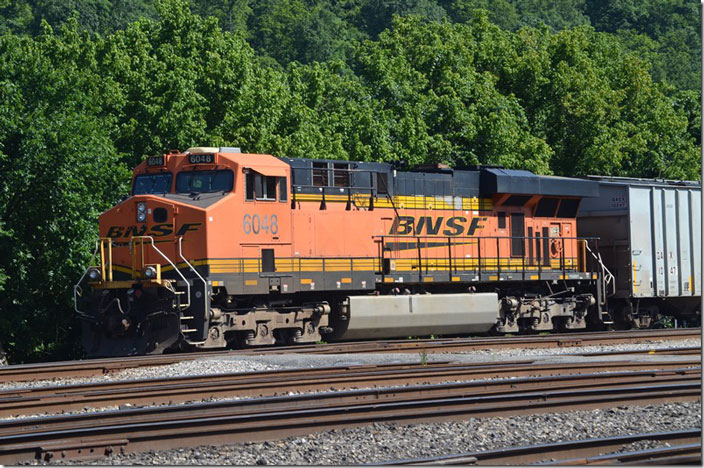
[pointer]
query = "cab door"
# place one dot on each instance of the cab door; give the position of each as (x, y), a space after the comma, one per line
(266, 224)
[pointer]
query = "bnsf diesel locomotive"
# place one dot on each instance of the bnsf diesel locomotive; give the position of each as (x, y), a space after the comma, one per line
(219, 248)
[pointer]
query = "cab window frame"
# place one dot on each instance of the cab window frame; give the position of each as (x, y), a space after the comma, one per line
(169, 174)
(212, 172)
(262, 188)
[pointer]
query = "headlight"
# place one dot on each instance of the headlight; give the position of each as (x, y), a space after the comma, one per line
(141, 212)
(94, 274)
(150, 272)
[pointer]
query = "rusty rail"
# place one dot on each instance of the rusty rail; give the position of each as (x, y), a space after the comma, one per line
(685, 448)
(94, 367)
(28, 401)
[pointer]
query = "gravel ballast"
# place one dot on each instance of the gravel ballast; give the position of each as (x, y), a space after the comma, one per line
(251, 363)
(389, 441)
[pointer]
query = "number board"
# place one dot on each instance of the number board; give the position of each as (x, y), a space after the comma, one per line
(201, 158)
(155, 161)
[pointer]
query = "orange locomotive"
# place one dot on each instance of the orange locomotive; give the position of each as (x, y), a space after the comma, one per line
(218, 248)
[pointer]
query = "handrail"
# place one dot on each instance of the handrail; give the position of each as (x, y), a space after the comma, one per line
(606, 274)
(408, 236)
(188, 285)
(106, 273)
(180, 253)
(205, 283)
(452, 241)
(77, 287)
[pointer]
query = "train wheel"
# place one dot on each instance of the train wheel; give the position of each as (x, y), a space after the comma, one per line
(561, 324)
(236, 339)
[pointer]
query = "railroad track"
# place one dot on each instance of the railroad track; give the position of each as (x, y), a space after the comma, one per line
(472, 344)
(42, 400)
(684, 448)
(91, 435)
(96, 367)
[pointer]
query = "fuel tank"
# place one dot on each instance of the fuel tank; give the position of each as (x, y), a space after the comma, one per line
(370, 317)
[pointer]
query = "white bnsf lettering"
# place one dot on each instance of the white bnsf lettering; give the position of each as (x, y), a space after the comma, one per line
(201, 158)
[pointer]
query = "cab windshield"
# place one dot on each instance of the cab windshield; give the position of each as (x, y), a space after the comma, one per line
(152, 183)
(204, 181)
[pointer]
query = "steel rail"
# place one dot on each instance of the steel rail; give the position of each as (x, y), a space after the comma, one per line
(94, 434)
(28, 401)
(576, 452)
(93, 367)
(470, 344)
(684, 453)
(411, 393)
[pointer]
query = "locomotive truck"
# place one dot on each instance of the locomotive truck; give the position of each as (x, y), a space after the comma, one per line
(219, 248)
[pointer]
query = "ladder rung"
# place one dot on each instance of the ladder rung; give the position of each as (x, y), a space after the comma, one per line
(186, 317)
(188, 330)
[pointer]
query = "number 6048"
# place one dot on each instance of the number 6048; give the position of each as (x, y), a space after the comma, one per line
(254, 224)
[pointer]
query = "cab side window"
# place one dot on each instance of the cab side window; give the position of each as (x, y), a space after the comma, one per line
(261, 187)
(268, 188)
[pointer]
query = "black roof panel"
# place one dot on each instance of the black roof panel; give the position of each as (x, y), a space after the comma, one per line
(496, 180)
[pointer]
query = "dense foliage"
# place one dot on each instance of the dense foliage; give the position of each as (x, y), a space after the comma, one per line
(88, 88)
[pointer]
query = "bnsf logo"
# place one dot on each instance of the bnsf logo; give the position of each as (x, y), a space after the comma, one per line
(158, 230)
(454, 226)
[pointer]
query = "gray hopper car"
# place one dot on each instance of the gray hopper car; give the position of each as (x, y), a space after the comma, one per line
(650, 241)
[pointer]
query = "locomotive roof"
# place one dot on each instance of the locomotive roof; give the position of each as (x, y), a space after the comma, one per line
(499, 180)
(471, 181)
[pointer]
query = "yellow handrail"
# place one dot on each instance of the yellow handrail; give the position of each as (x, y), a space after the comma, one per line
(106, 260)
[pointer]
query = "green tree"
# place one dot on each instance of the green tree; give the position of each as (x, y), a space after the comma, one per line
(595, 105)
(376, 15)
(440, 107)
(15, 16)
(501, 12)
(299, 30)
(672, 26)
(232, 15)
(555, 14)
(176, 79)
(60, 170)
